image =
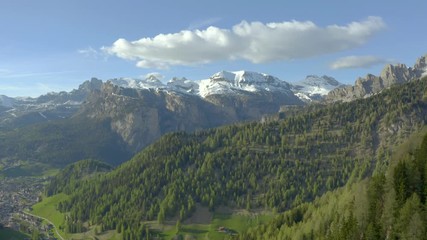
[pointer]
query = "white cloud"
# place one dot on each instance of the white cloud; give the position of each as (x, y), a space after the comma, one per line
(357, 62)
(253, 41)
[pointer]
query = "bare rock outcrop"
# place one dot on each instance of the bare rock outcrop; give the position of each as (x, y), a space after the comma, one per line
(371, 84)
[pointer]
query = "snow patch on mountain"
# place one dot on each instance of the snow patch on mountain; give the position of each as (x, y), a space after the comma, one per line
(223, 82)
(314, 87)
(149, 83)
(183, 85)
(235, 83)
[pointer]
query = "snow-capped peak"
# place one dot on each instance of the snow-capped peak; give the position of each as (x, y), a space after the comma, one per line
(242, 77)
(314, 80)
(237, 82)
(315, 87)
(152, 78)
(225, 82)
(223, 76)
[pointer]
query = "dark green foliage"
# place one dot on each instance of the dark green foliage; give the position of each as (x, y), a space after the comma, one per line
(394, 209)
(402, 181)
(409, 176)
(73, 175)
(63, 142)
(376, 207)
(411, 222)
(275, 165)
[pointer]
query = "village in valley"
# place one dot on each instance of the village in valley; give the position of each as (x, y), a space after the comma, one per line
(17, 195)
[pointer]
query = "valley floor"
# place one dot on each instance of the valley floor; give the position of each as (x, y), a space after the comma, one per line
(16, 195)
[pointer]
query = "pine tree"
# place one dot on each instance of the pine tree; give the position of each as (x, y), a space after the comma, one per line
(177, 226)
(161, 216)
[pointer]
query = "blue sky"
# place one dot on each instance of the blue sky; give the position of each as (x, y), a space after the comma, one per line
(54, 45)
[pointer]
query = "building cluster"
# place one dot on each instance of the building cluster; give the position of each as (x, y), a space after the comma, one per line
(25, 222)
(16, 195)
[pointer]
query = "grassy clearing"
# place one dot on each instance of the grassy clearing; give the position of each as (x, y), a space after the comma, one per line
(47, 209)
(9, 234)
(199, 231)
(234, 221)
(201, 226)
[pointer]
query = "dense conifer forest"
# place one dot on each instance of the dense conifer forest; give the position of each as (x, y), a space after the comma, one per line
(52, 142)
(291, 166)
(389, 205)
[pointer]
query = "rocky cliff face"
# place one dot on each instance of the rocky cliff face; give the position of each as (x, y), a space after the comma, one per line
(142, 115)
(371, 84)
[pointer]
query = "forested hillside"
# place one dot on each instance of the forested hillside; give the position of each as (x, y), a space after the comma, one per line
(390, 205)
(73, 174)
(277, 165)
(59, 143)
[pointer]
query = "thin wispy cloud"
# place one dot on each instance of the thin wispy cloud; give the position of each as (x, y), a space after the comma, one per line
(31, 84)
(25, 87)
(10, 74)
(90, 52)
(252, 41)
(357, 62)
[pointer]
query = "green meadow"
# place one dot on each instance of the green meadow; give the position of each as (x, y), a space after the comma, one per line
(203, 225)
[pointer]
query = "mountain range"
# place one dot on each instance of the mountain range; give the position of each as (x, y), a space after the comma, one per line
(215, 89)
(258, 168)
(142, 110)
(317, 140)
(139, 111)
(22, 111)
(241, 96)
(234, 83)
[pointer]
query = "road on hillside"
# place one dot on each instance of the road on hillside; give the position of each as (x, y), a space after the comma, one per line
(47, 220)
